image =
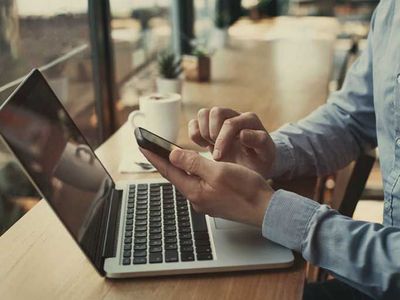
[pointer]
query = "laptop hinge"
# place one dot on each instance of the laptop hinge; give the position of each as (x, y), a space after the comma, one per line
(111, 225)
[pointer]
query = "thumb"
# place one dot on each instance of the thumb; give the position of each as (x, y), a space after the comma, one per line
(191, 162)
(255, 139)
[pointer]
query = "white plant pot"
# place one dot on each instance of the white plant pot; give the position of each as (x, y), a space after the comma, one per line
(220, 38)
(165, 86)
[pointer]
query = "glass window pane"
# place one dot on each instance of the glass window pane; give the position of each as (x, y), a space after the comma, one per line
(140, 29)
(53, 36)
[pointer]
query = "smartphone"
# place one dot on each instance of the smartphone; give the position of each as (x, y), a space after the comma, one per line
(154, 143)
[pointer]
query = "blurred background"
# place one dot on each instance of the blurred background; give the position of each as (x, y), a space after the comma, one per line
(101, 56)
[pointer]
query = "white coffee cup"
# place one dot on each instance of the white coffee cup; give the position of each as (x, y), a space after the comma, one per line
(159, 113)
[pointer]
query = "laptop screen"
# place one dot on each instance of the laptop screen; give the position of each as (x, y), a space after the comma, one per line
(58, 159)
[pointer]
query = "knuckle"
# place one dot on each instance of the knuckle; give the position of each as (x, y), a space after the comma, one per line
(230, 123)
(250, 115)
(193, 163)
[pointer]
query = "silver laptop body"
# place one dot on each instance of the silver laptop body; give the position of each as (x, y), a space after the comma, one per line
(127, 228)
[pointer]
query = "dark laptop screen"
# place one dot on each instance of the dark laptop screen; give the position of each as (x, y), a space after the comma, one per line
(58, 159)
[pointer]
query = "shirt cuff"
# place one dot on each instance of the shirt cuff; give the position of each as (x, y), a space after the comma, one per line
(287, 218)
(284, 160)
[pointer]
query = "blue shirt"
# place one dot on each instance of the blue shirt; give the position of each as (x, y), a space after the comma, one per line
(364, 114)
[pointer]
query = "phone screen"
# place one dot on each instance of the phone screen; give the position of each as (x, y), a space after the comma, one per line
(163, 143)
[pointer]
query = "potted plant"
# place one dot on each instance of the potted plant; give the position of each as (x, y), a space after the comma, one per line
(197, 66)
(169, 69)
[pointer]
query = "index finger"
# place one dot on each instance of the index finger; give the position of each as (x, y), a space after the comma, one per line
(184, 182)
(230, 130)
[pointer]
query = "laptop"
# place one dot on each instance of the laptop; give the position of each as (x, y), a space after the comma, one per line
(138, 228)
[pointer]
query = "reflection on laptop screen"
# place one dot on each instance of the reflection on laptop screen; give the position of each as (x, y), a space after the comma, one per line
(58, 159)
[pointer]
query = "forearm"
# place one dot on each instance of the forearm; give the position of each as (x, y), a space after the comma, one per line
(365, 255)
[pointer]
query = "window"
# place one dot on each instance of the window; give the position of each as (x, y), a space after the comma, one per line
(204, 19)
(53, 36)
(139, 30)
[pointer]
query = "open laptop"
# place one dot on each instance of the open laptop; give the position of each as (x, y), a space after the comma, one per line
(126, 229)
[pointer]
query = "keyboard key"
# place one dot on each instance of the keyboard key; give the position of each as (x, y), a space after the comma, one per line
(155, 236)
(129, 222)
(198, 221)
(128, 241)
(140, 247)
(127, 253)
(155, 219)
(155, 243)
(186, 249)
(141, 217)
(187, 256)
(139, 260)
(182, 213)
(141, 234)
(170, 240)
(202, 243)
(128, 233)
(170, 228)
(140, 253)
(185, 230)
(126, 261)
(155, 213)
(127, 246)
(201, 236)
(129, 227)
(141, 212)
(169, 217)
(169, 222)
(130, 210)
(184, 224)
(142, 202)
(155, 224)
(140, 240)
(170, 234)
(129, 216)
(169, 212)
(203, 249)
(155, 230)
(186, 242)
(142, 206)
(171, 256)
(141, 222)
(155, 249)
(185, 236)
(140, 228)
(204, 256)
(183, 218)
(171, 246)
(155, 258)
(130, 205)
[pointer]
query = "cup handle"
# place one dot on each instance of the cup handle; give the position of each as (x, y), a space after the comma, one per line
(133, 115)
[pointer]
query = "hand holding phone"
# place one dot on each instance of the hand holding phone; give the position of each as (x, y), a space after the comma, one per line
(154, 143)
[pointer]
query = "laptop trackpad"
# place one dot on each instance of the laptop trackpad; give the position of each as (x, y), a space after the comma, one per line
(222, 224)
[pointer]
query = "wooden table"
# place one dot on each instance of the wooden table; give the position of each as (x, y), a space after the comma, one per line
(282, 81)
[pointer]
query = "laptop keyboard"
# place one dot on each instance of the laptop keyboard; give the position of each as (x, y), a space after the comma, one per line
(161, 226)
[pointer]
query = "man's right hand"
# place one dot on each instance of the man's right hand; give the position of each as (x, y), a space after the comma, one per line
(234, 137)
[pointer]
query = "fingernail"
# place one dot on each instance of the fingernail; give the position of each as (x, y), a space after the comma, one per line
(216, 154)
